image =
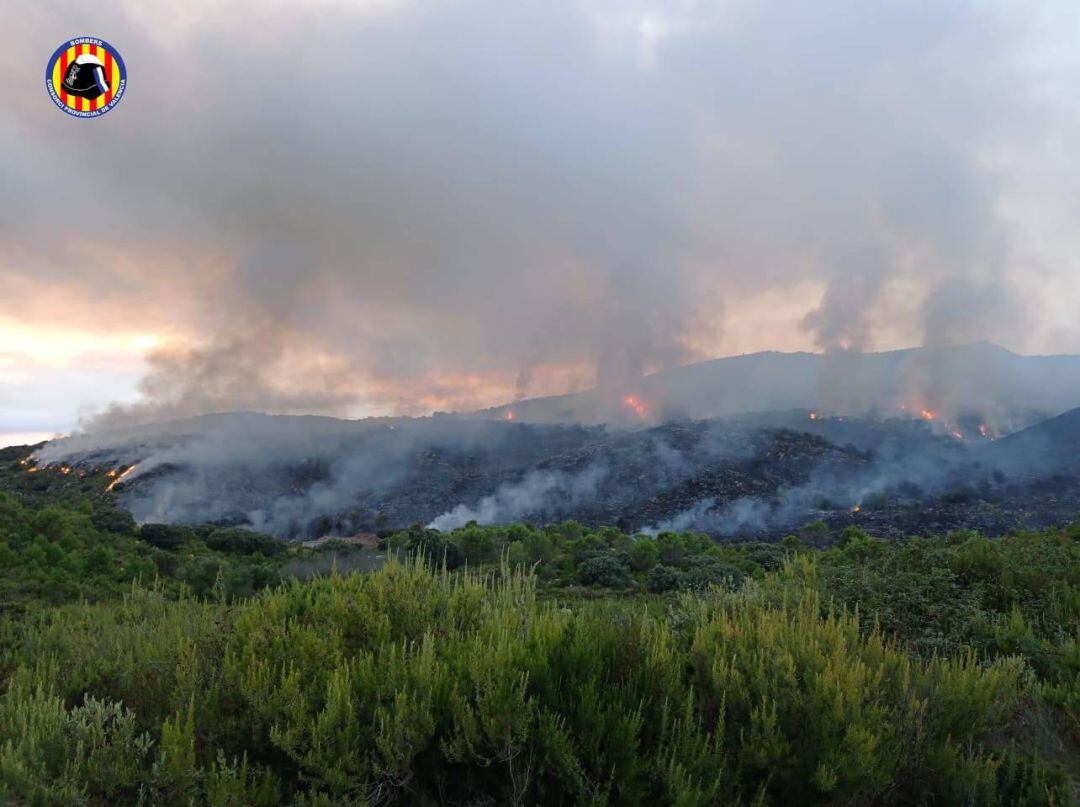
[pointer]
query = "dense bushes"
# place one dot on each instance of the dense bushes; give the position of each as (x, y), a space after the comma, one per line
(1019, 594)
(568, 553)
(946, 594)
(65, 552)
(414, 685)
(938, 670)
(56, 554)
(605, 569)
(239, 541)
(166, 536)
(431, 545)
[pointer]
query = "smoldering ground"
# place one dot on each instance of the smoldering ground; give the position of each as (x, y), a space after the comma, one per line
(759, 469)
(750, 475)
(289, 476)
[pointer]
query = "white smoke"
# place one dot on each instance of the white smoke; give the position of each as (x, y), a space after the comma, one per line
(537, 491)
(691, 518)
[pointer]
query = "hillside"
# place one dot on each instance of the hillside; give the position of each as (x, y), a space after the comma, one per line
(1052, 446)
(755, 475)
(780, 453)
(980, 379)
(277, 475)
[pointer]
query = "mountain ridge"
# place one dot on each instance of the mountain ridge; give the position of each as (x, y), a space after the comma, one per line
(980, 377)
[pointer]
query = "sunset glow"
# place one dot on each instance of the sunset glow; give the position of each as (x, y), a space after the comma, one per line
(450, 269)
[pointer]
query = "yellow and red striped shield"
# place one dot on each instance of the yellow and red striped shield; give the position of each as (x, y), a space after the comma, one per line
(113, 69)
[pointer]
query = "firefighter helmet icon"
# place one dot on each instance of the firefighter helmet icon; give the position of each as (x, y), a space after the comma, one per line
(86, 77)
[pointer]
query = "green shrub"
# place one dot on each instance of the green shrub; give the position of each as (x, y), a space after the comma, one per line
(166, 536)
(110, 519)
(608, 569)
(767, 556)
(414, 685)
(664, 578)
(237, 540)
(703, 571)
(643, 554)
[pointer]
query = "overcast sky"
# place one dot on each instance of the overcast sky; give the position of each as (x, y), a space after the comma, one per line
(395, 207)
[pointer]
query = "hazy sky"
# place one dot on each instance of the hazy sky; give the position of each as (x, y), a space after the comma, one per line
(395, 207)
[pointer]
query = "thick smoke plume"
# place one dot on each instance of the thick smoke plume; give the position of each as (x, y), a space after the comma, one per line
(474, 202)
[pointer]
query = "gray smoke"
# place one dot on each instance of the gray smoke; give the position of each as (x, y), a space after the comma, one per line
(475, 201)
(903, 460)
(275, 474)
(537, 492)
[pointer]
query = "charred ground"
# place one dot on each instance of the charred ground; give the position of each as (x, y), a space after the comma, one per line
(751, 476)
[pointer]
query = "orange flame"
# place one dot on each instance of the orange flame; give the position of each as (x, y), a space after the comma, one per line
(509, 414)
(928, 414)
(813, 416)
(120, 478)
(639, 408)
(857, 508)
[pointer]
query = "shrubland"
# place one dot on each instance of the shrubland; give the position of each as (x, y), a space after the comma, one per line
(524, 664)
(66, 553)
(418, 685)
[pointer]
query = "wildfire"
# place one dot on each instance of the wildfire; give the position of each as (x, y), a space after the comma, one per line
(118, 478)
(509, 414)
(928, 414)
(857, 508)
(958, 435)
(639, 408)
(813, 416)
(65, 470)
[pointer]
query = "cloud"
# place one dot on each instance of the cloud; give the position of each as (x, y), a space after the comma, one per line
(395, 206)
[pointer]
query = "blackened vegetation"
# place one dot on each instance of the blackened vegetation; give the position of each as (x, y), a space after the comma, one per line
(755, 476)
(645, 478)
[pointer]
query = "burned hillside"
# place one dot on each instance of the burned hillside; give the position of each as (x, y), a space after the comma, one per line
(749, 476)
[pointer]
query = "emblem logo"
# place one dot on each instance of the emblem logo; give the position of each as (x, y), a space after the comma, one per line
(86, 77)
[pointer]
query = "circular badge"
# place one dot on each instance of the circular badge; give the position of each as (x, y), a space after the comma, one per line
(86, 77)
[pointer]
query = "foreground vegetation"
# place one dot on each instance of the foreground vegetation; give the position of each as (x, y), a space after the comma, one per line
(532, 665)
(951, 594)
(419, 685)
(58, 554)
